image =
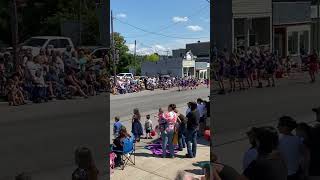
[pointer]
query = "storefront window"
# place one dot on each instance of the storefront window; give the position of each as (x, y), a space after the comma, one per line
(293, 42)
(304, 41)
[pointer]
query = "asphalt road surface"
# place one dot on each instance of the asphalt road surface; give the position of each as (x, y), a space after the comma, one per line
(294, 96)
(149, 102)
(41, 138)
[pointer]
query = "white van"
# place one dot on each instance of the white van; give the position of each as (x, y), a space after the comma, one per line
(57, 43)
(125, 75)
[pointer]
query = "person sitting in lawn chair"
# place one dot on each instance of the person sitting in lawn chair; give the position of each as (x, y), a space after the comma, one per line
(118, 144)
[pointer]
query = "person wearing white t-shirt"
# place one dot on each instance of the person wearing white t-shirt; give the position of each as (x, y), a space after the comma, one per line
(290, 146)
(201, 113)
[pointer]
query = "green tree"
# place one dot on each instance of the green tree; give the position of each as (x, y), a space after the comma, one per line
(44, 17)
(120, 43)
(152, 57)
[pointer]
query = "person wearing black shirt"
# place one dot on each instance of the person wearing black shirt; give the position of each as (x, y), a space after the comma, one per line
(192, 126)
(269, 164)
(118, 144)
(182, 120)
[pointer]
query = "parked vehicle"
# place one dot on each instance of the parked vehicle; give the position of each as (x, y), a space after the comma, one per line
(125, 75)
(96, 52)
(57, 43)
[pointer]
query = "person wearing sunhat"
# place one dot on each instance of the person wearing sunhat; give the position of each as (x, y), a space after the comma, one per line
(290, 146)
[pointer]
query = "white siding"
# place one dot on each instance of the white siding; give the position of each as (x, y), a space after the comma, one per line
(251, 8)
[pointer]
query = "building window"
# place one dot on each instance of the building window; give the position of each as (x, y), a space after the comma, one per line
(293, 42)
(304, 41)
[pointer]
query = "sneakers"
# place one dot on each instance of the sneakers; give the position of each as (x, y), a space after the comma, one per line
(189, 156)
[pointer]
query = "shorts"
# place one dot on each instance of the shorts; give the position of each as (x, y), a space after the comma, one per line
(148, 131)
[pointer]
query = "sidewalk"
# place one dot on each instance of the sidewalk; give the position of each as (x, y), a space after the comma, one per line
(151, 167)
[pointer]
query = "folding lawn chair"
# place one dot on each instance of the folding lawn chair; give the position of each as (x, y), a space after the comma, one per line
(127, 152)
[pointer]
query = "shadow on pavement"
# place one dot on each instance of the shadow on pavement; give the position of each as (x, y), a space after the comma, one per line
(200, 164)
(195, 171)
(144, 154)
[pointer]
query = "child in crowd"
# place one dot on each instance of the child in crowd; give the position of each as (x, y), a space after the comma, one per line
(116, 127)
(148, 127)
(14, 92)
(86, 167)
(161, 120)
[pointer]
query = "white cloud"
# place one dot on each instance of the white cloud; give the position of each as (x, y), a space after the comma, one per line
(180, 19)
(195, 28)
(142, 50)
(121, 15)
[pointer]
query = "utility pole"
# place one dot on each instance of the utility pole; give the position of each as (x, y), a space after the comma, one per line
(14, 28)
(80, 22)
(135, 50)
(113, 51)
(318, 25)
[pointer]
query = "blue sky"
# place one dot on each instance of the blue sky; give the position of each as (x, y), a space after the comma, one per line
(178, 19)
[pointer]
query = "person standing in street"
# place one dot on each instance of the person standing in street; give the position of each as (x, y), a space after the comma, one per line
(137, 129)
(313, 66)
(192, 128)
(148, 127)
(116, 126)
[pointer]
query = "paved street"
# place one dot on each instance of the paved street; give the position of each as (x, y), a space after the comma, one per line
(234, 113)
(41, 138)
(149, 102)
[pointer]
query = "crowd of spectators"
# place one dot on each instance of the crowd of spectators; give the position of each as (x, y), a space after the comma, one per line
(51, 74)
(288, 152)
(137, 84)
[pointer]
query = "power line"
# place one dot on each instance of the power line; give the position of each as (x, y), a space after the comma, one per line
(159, 34)
(173, 24)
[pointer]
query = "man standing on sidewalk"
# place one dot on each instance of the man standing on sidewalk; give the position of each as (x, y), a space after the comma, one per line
(202, 120)
(192, 128)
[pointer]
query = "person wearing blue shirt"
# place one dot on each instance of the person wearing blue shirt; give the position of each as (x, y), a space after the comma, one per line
(116, 127)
